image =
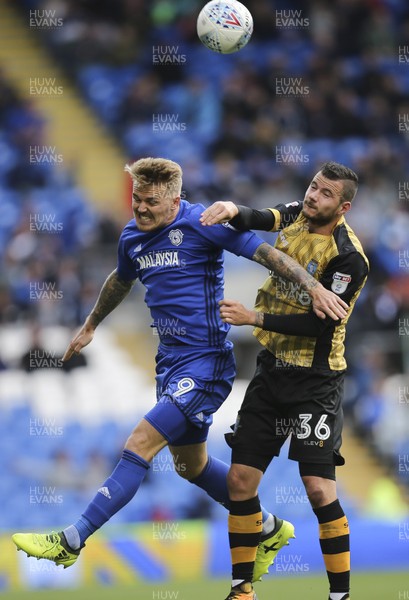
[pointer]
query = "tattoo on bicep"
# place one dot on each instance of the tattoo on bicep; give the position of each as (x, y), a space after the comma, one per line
(284, 265)
(113, 291)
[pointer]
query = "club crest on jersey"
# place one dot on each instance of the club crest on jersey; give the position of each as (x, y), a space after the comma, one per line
(176, 237)
(312, 267)
(340, 282)
(283, 239)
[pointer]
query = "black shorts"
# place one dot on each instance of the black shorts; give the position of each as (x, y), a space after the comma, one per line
(283, 400)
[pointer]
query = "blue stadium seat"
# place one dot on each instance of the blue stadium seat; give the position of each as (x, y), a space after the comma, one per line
(105, 87)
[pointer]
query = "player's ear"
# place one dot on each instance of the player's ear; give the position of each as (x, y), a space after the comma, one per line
(175, 203)
(344, 208)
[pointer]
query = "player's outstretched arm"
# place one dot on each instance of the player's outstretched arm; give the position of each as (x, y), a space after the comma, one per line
(324, 302)
(235, 313)
(113, 291)
(304, 324)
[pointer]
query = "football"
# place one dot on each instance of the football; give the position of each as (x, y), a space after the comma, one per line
(224, 27)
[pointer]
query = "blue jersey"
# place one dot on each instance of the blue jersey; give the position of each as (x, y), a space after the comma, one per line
(181, 267)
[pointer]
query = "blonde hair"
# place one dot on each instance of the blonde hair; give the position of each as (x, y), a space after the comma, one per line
(162, 172)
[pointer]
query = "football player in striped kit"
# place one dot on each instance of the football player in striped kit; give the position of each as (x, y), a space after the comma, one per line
(299, 375)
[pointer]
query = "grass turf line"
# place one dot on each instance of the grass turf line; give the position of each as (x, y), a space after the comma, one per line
(365, 586)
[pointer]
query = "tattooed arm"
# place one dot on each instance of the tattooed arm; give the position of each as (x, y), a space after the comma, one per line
(113, 291)
(324, 302)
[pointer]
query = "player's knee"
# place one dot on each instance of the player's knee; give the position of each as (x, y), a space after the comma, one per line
(239, 483)
(316, 491)
(140, 443)
(316, 497)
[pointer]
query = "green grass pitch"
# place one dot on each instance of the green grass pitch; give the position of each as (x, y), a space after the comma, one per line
(365, 586)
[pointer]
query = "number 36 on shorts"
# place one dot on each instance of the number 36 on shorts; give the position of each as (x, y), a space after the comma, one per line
(321, 430)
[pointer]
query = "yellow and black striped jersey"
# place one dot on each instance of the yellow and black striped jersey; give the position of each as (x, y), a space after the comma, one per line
(337, 261)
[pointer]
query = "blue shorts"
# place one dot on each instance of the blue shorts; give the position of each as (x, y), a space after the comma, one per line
(191, 384)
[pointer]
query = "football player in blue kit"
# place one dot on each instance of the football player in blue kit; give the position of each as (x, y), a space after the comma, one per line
(180, 264)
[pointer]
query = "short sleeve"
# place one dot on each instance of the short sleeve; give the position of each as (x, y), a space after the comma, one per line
(241, 243)
(125, 267)
(285, 214)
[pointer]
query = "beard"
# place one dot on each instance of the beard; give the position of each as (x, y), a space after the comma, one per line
(320, 219)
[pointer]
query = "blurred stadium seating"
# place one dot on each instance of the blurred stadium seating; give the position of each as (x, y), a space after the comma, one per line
(226, 123)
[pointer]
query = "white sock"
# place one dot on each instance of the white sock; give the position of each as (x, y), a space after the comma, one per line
(268, 525)
(337, 595)
(236, 582)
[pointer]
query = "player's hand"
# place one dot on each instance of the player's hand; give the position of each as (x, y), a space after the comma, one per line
(219, 212)
(234, 313)
(326, 303)
(82, 339)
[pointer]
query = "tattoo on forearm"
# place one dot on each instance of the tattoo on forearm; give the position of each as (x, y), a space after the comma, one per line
(113, 291)
(259, 320)
(284, 265)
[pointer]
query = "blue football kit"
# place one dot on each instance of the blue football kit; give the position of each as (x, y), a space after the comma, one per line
(181, 267)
